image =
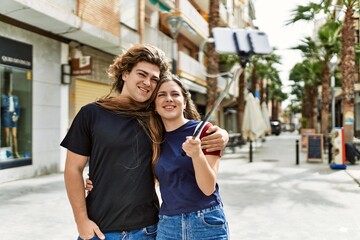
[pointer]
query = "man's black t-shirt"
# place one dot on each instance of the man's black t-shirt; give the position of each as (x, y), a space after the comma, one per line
(123, 197)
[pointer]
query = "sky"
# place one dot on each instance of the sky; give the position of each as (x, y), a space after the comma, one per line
(271, 17)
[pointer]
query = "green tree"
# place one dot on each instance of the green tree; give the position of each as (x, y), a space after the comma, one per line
(329, 46)
(212, 55)
(306, 76)
(308, 13)
(267, 72)
(260, 68)
(277, 96)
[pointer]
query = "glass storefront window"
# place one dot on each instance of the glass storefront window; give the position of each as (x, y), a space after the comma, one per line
(16, 117)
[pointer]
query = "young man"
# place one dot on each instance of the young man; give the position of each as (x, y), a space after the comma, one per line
(114, 135)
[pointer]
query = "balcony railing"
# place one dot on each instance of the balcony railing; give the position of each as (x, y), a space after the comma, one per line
(193, 17)
(155, 37)
(191, 67)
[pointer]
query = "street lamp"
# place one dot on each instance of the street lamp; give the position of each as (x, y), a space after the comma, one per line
(175, 23)
(333, 63)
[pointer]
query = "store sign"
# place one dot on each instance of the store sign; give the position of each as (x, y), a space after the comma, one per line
(349, 118)
(16, 54)
(81, 66)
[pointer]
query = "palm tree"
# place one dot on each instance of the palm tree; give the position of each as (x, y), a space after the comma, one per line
(241, 98)
(277, 96)
(328, 36)
(322, 52)
(305, 72)
(347, 67)
(212, 56)
(266, 71)
(308, 13)
(306, 77)
(297, 93)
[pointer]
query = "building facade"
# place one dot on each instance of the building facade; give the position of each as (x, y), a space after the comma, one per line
(54, 56)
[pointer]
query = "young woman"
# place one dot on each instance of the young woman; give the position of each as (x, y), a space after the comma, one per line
(191, 207)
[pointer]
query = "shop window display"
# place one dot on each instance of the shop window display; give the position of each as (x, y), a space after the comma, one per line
(16, 115)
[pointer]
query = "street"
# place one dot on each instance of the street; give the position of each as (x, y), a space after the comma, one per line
(270, 198)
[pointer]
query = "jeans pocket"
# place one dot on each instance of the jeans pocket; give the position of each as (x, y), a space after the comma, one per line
(214, 218)
(151, 230)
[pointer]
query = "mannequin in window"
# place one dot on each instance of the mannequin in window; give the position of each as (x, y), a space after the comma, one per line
(10, 112)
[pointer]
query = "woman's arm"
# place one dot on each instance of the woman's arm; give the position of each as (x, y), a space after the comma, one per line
(205, 166)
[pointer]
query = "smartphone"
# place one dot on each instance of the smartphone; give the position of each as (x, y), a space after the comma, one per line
(259, 42)
(224, 40)
(240, 41)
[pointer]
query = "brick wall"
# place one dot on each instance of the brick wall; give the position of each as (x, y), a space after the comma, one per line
(101, 13)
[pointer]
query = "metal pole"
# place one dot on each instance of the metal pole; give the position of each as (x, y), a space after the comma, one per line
(174, 55)
(297, 152)
(332, 102)
(251, 151)
(175, 22)
(330, 152)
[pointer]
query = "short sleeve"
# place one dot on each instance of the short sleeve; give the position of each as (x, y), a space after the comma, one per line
(78, 138)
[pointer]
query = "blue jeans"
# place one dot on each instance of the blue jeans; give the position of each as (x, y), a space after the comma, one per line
(206, 224)
(147, 233)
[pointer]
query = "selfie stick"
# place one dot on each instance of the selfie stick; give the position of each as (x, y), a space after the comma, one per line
(246, 44)
(216, 104)
(237, 71)
(218, 101)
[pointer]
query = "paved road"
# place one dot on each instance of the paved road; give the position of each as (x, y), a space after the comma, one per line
(271, 198)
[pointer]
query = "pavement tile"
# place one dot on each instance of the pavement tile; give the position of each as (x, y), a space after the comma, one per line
(270, 198)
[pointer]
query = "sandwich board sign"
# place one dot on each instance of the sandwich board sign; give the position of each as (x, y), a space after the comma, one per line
(315, 148)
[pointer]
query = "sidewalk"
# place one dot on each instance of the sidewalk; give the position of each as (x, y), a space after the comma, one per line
(271, 198)
(36, 208)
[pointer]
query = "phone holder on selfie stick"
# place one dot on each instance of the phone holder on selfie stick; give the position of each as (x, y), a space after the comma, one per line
(242, 42)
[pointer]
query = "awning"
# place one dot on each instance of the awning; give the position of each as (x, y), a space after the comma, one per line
(192, 86)
(162, 6)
